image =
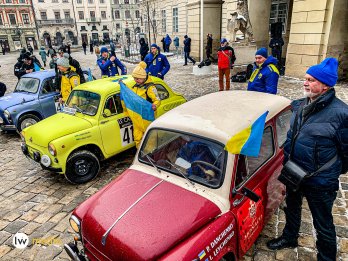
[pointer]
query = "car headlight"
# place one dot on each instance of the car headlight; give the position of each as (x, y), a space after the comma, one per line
(52, 149)
(75, 223)
(7, 115)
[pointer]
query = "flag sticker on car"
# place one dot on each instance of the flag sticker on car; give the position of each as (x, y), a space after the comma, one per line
(126, 131)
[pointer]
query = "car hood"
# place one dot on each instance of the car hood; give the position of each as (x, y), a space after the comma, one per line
(153, 224)
(15, 98)
(56, 126)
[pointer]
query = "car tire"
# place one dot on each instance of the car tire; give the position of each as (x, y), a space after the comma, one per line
(26, 121)
(82, 166)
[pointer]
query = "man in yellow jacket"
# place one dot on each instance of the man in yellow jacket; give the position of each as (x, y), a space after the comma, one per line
(70, 78)
(145, 88)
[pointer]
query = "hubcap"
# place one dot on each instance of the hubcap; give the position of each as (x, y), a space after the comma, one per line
(82, 167)
(27, 122)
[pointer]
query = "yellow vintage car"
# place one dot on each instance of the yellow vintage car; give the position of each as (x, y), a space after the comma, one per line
(91, 127)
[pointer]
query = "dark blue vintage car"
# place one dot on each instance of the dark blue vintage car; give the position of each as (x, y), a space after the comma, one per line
(32, 100)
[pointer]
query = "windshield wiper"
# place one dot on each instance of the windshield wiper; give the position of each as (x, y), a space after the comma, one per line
(78, 109)
(152, 162)
(182, 174)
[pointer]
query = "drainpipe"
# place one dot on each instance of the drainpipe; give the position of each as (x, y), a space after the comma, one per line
(36, 26)
(77, 32)
(202, 9)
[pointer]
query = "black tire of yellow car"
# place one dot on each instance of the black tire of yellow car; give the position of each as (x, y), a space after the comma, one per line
(30, 118)
(82, 166)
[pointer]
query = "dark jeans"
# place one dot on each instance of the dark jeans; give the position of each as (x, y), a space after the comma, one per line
(187, 56)
(320, 203)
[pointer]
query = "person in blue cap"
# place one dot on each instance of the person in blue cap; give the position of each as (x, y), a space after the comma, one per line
(157, 63)
(265, 73)
(317, 143)
(109, 64)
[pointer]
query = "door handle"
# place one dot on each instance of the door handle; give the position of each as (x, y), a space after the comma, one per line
(238, 201)
(103, 122)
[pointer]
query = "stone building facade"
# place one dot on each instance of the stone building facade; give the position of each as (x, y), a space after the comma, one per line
(93, 20)
(55, 21)
(17, 25)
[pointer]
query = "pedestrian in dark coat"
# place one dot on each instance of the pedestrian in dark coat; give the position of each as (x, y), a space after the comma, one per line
(84, 46)
(17, 67)
(209, 47)
(144, 48)
(91, 47)
(30, 49)
(68, 49)
(163, 44)
(319, 138)
(74, 63)
(167, 41)
(187, 50)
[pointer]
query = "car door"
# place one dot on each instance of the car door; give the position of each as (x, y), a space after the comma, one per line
(115, 128)
(47, 97)
(169, 100)
(253, 173)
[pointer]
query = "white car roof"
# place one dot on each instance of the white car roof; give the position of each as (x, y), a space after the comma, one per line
(221, 115)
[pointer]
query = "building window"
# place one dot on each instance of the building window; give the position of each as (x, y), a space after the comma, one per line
(57, 15)
(41, 1)
(81, 15)
(22, 1)
(164, 19)
(127, 14)
(67, 14)
(136, 1)
(83, 28)
(103, 14)
(92, 14)
(102, 1)
(94, 28)
(118, 27)
(279, 13)
(117, 14)
(1, 22)
(137, 14)
(65, 1)
(116, 2)
(105, 27)
(175, 20)
(54, 1)
(25, 18)
(90, 1)
(79, 1)
(126, 2)
(12, 18)
(43, 15)
(8, 1)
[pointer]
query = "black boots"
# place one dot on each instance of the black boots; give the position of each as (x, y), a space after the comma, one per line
(280, 243)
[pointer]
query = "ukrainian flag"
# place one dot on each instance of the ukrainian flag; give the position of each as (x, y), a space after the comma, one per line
(136, 105)
(248, 141)
(201, 255)
(90, 77)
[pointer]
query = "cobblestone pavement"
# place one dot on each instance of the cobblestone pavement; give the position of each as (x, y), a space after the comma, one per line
(39, 203)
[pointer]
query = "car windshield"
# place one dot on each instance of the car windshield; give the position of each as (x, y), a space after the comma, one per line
(27, 85)
(198, 159)
(84, 102)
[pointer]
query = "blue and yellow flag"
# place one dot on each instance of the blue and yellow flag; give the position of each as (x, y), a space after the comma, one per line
(248, 141)
(90, 76)
(136, 104)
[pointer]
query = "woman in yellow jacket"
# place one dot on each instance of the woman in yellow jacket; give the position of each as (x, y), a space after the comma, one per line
(69, 80)
(145, 88)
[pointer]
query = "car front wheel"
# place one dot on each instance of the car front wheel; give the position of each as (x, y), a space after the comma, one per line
(26, 121)
(81, 167)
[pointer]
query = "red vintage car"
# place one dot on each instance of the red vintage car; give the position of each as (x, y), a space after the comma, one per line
(185, 197)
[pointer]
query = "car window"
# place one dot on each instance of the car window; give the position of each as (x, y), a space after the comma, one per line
(26, 84)
(283, 125)
(247, 166)
(162, 92)
(84, 101)
(48, 86)
(113, 103)
(187, 156)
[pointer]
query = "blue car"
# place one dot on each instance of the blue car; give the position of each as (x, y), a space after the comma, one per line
(33, 99)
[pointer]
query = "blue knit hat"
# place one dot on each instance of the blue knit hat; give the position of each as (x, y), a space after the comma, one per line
(325, 72)
(104, 50)
(223, 40)
(154, 45)
(262, 51)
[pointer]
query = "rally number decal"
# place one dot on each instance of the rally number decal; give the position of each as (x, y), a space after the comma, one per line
(126, 131)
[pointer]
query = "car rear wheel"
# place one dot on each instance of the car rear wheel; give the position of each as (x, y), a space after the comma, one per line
(26, 121)
(81, 167)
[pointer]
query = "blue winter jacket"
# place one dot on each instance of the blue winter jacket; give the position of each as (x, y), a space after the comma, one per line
(167, 40)
(265, 77)
(323, 133)
(109, 68)
(158, 66)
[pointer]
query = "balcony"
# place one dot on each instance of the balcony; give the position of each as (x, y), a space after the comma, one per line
(68, 21)
(93, 20)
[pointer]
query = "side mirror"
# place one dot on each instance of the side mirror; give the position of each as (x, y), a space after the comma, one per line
(245, 192)
(106, 113)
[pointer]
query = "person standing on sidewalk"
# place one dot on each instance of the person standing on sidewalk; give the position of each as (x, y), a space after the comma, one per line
(187, 50)
(84, 46)
(209, 47)
(157, 63)
(144, 48)
(176, 44)
(226, 59)
(317, 142)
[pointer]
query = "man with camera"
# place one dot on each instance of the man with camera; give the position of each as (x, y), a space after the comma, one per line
(316, 149)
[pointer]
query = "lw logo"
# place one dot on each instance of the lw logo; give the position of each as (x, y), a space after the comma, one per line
(20, 240)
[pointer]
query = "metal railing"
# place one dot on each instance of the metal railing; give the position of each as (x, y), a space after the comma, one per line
(55, 21)
(93, 20)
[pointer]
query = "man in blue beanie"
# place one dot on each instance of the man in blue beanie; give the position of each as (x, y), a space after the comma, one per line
(109, 64)
(265, 73)
(157, 63)
(317, 142)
